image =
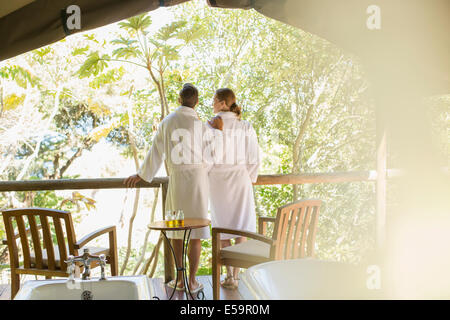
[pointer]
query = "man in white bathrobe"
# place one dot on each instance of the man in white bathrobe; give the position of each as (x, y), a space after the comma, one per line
(184, 142)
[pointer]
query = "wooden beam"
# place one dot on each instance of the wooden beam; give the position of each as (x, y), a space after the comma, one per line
(333, 177)
(117, 183)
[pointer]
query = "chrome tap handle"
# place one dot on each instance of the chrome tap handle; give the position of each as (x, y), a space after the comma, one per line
(102, 260)
(86, 258)
(70, 260)
(70, 267)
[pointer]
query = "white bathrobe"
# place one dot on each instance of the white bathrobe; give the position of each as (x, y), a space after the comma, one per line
(231, 177)
(183, 140)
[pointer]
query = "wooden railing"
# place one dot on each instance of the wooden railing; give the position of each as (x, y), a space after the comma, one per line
(162, 182)
(117, 183)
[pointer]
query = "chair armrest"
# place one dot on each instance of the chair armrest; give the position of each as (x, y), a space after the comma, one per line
(252, 235)
(262, 223)
(91, 236)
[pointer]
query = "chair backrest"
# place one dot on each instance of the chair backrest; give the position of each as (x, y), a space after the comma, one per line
(54, 224)
(295, 230)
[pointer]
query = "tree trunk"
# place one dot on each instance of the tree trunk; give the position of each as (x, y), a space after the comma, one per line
(30, 159)
(155, 261)
(35, 153)
(296, 152)
(257, 206)
(152, 219)
(69, 162)
(4, 255)
(138, 190)
(158, 86)
(130, 231)
(5, 162)
(153, 257)
(1, 101)
(163, 92)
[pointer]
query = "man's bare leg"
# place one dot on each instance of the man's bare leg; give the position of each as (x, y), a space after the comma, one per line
(194, 251)
(178, 248)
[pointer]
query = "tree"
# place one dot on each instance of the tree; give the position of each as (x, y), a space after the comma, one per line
(153, 52)
(156, 53)
(306, 99)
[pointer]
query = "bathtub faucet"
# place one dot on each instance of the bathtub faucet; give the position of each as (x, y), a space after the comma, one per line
(86, 258)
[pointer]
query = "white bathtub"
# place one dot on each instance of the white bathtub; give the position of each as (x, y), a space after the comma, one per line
(114, 288)
(306, 279)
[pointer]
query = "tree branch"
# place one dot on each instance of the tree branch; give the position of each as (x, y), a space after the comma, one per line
(69, 162)
(126, 61)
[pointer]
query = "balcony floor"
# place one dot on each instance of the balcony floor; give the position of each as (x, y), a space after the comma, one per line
(5, 291)
(162, 291)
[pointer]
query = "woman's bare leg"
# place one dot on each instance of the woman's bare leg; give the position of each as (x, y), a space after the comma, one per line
(236, 270)
(224, 244)
(195, 248)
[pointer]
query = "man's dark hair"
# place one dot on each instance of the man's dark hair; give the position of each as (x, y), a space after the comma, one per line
(189, 95)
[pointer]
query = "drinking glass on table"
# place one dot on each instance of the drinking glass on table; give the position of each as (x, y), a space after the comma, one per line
(170, 218)
(179, 217)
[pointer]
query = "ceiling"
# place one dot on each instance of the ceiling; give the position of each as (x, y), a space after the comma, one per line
(8, 6)
(402, 45)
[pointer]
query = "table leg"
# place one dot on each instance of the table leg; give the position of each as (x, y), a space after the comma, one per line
(183, 268)
(176, 264)
(185, 250)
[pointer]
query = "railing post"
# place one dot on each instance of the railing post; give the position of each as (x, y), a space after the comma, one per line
(168, 259)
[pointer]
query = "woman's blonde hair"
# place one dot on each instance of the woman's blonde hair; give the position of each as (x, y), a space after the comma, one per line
(227, 95)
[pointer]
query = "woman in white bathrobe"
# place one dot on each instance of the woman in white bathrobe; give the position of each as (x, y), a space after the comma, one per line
(231, 177)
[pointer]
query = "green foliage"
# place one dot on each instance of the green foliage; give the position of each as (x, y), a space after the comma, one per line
(278, 73)
(205, 258)
(192, 34)
(281, 75)
(134, 255)
(137, 23)
(12, 101)
(80, 51)
(130, 49)
(47, 199)
(108, 77)
(272, 197)
(93, 65)
(20, 75)
(170, 31)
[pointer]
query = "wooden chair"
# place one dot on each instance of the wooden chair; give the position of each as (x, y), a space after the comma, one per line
(45, 258)
(293, 237)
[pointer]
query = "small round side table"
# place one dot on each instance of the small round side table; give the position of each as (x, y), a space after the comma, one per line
(189, 224)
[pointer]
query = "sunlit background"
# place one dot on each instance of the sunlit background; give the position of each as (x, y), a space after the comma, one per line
(86, 106)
